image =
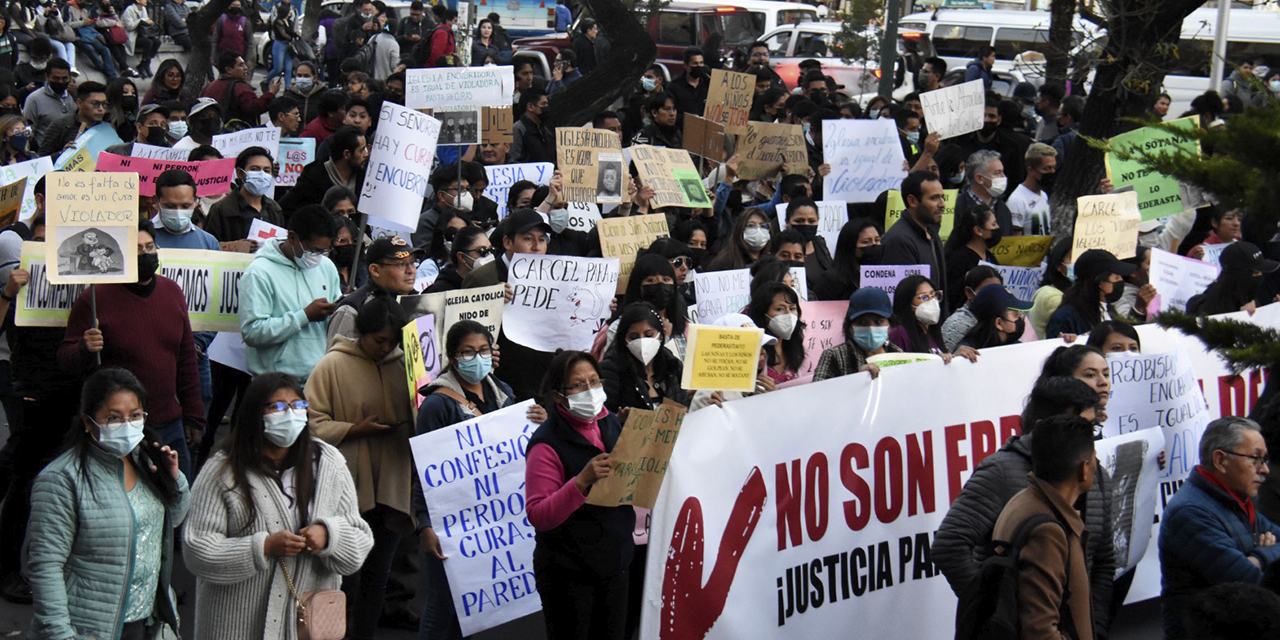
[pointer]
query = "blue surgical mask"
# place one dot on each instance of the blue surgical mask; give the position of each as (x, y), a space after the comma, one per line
(176, 220)
(1071, 272)
(648, 84)
(120, 440)
(558, 219)
(177, 129)
(475, 369)
(303, 84)
(956, 178)
(913, 137)
(283, 427)
(874, 113)
(870, 338)
(1275, 85)
(805, 126)
(258, 183)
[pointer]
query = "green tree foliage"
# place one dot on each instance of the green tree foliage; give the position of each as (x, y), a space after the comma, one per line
(860, 37)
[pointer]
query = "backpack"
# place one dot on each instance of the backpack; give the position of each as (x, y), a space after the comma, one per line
(367, 54)
(988, 609)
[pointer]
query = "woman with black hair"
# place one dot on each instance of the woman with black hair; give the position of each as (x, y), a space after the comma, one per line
(1236, 287)
(1098, 284)
(273, 502)
(1056, 280)
(694, 235)
(653, 280)
(470, 250)
(857, 245)
(639, 371)
(1086, 364)
(122, 107)
(769, 106)
(803, 216)
(1115, 336)
(950, 158)
(749, 238)
(958, 324)
(680, 257)
(1000, 319)
(917, 311)
(768, 270)
(976, 232)
(776, 307)
(100, 536)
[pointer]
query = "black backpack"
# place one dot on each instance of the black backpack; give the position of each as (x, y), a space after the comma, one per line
(988, 610)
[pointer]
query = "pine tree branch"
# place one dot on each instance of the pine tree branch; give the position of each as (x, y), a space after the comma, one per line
(1241, 345)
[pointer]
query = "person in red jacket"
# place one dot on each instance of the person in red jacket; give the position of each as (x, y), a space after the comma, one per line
(239, 100)
(442, 42)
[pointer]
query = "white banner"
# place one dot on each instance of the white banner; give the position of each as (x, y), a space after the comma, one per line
(721, 292)
(560, 301)
(865, 157)
(231, 144)
(453, 87)
(396, 181)
(831, 219)
(472, 475)
(1177, 279)
(153, 152)
(502, 176)
(955, 110)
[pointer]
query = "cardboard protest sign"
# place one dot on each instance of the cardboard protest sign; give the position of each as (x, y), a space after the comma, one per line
(590, 161)
(11, 201)
(623, 238)
(832, 217)
(887, 276)
(42, 303)
(671, 174)
(955, 110)
(422, 359)
(865, 157)
(395, 182)
(80, 156)
(482, 304)
(231, 144)
(639, 458)
(721, 358)
(1022, 282)
(213, 177)
(502, 176)
(496, 125)
(152, 152)
(560, 301)
(32, 170)
(91, 227)
(823, 329)
(1177, 279)
(1158, 195)
(721, 292)
(1108, 222)
(491, 580)
(1022, 251)
(894, 208)
(210, 282)
(764, 146)
(704, 138)
(452, 87)
(295, 155)
(729, 99)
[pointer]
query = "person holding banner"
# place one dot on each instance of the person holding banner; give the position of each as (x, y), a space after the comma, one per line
(1098, 284)
(917, 312)
(1225, 228)
(1000, 319)
(776, 307)
(91, 108)
(273, 499)
(1138, 290)
(1236, 287)
(176, 200)
(583, 551)
(866, 334)
(653, 280)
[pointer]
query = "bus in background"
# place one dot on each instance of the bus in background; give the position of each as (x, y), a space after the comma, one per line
(521, 18)
(957, 34)
(1252, 36)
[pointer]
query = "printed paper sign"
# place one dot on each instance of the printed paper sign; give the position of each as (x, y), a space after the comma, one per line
(1133, 462)
(623, 238)
(422, 360)
(459, 126)
(560, 301)
(1213, 253)
(823, 329)
(229, 349)
(213, 177)
(721, 358)
(1022, 251)
(42, 303)
(152, 152)
(395, 183)
(671, 174)
(1022, 282)
(865, 157)
(491, 582)
(32, 170)
(591, 163)
(91, 227)
(729, 99)
(955, 110)
(210, 282)
(497, 125)
(1158, 195)
(1177, 279)
(886, 277)
(832, 217)
(894, 209)
(482, 304)
(704, 138)
(452, 87)
(231, 144)
(263, 232)
(639, 459)
(502, 176)
(11, 202)
(764, 146)
(295, 155)
(721, 292)
(1108, 222)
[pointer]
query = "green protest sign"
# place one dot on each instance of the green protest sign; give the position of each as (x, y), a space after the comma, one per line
(1158, 194)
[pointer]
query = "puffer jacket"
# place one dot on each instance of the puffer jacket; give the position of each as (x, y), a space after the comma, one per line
(80, 547)
(963, 540)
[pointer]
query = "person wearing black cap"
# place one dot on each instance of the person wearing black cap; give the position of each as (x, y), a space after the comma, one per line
(866, 333)
(391, 271)
(1237, 285)
(1001, 319)
(1099, 283)
(153, 129)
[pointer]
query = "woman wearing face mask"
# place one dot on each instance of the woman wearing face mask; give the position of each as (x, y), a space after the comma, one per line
(877, 107)
(1000, 317)
(857, 245)
(447, 226)
(962, 320)
(356, 396)
(639, 371)
(1236, 288)
(653, 280)
(274, 499)
(633, 115)
(769, 105)
(950, 159)
(803, 216)
(1138, 290)
(582, 553)
(16, 139)
(749, 238)
(1098, 284)
(100, 536)
(917, 314)
(679, 255)
(661, 130)
(471, 250)
(122, 107)
(1057, 279)
(776, 307)
(167, 83)
(976, 232)
(343, 253)
(866, 334)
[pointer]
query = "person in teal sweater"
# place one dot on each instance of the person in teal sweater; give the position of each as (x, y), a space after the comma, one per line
(100, 540)
(287, 295)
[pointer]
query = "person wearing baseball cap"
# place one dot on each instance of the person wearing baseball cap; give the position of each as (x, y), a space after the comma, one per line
(866, 333)
(1001, 318)
(764, 383)
(1098, 284)
(1236, 288)
(204, 122)
(392, 269)
(153, 129)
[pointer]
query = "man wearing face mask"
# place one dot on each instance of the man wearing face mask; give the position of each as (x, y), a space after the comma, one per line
(163, 357)
(204, 121)
(230, 218)
(815, 87)
(50, 102)
(306, 89)
(985, 184)
(447, 194)
(287, 295)
(391, 272)
(531, 140)
(1029, 203)
(996, 136)
(918, 241)
(153, 129)
(690, 89)
(176, 199)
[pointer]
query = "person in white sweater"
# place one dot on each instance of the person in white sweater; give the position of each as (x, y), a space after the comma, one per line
(273, 496)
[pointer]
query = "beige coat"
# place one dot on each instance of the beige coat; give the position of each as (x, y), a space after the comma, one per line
(345, 388)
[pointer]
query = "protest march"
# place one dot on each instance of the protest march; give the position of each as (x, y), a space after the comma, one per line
(404, 320)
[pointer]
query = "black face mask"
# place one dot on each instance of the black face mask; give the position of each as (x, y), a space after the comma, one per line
(988, 128)
(871, 254)
(996, 237)
(59, 88)
(148, 264)
(129, 104)
(157, 136)
(659, 295)
(809, 231)
(1117, 292)
(1018, 328)
(208, 127)
(698, 256)
(1047, 180)
(343, 256)
(233, 12)
(818, 97)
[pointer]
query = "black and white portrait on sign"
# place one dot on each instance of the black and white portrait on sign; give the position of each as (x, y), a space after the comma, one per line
(459, 127)
(91, 250)
(609, 178)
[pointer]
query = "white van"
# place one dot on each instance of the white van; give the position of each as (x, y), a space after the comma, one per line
(768, 15)
(957, 34)
(1251, 35)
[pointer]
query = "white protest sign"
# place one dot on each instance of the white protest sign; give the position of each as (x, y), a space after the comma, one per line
(560, 302)
(800, 278)
(295, 155)
(865, 157)
(262, 232)
(887, 276)
(453, 87)
(502, 176)
(229, 349)
(480, 304)
(395, 182)
(832, 217)
(383, 232)
(1213, 253)
(153, 152)
(231, 144)
(32, 170)
(1132, 462)
(583, 216)
(955, 110)
(721, 292)
(1177, 279)
(1022, 282)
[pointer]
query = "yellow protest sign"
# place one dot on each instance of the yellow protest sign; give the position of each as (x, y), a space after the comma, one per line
(623, 238)
(671, 175)
(591, 162)
(721, 358)
(1022, 251)
(766, 145)
(91, 227)
(894, 207)
(421, 364)
(82, 161)
(729, 99)
(639, 459)
(11, 202)
(1109, 222)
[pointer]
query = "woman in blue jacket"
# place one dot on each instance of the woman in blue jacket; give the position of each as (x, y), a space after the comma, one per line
(100, 540)
(1099, 283)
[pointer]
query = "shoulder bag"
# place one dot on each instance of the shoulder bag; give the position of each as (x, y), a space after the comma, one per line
(322, 614)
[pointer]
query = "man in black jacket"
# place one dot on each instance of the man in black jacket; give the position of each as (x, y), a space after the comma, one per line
(345, 166)
(914, 239)
(690, 89)
(531, 140)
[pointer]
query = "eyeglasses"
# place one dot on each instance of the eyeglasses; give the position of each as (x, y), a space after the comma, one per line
(296, 405)
(481, 251)
(467, 355)
(682, 261)
(99, 104)
(115, 422)
(1258, 461)
(925, 297)
(583, 386)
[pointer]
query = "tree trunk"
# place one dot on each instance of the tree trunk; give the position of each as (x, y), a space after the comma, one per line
(1057, 55)
(200, 62)
(631, 52)
(311, 21)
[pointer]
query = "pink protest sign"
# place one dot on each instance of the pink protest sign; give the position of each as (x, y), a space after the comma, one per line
(823, 329)
(213, 177)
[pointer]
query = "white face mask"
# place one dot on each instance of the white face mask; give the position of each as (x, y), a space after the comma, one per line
(783, 325)
(929, 312)
(756, 239)
(176, 220)
(586, 405)
(482, 261)
(121, 440)
(644, 349)
(558, 219)
(464, 201)
(998, 185)
(282, 428)
(177, 129)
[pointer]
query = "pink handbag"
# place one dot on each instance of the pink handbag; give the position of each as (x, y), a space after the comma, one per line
(322, 614)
